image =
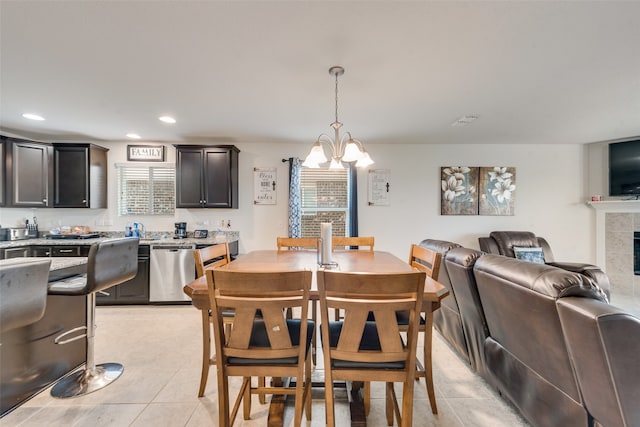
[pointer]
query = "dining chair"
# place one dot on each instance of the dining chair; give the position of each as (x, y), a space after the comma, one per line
(297, 243)
(427, 260)
(345, 242)
(207, 258)
(359, 349)
(267, 345)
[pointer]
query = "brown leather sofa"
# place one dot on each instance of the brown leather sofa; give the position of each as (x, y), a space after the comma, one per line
(605, 349)
(525, 350)
(503, 242)
(459, 264)
(446, 320)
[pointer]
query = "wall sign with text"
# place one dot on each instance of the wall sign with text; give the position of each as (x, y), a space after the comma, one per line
(145, 153)
(379, 187)
(264, 186)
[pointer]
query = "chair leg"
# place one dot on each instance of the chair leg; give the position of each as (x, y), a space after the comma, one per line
(206, 351)
(307, 384)
(388, 394)
(328, 397)
(93, 377)
(367, 398)
(261, 384)
(299, 404)
(407, 403)
(247, 398)
(428, 371)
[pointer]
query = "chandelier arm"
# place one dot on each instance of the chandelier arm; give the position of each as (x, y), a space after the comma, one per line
(324, 138)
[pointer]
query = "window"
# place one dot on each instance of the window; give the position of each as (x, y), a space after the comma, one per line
(325, 197)
(146, 190)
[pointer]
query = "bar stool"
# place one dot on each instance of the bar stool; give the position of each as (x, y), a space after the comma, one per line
(23, 292)
(110, 262)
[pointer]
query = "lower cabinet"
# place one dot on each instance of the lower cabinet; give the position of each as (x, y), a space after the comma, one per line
(134, 291)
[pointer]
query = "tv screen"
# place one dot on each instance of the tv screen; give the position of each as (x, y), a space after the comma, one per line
(624, 168)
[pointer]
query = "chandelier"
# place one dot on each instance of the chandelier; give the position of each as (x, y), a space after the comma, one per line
(343, 149)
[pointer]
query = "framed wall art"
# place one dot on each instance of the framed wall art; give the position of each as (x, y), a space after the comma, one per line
(498, 186)
(458, 195)
(477, 190)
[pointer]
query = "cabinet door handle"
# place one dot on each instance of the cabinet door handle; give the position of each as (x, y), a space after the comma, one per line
(64, 251)
(44, 200)
(84, 201)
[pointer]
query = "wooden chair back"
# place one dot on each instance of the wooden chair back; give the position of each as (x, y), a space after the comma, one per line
(364, 350)
(343, 242)
(261, 344)
(426, 260)
(211, 257)
(297, 243)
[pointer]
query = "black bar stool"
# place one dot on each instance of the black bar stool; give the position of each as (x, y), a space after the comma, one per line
(23, 291)
(110, 262)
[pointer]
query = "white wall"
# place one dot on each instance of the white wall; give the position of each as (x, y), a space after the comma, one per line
(550, 198)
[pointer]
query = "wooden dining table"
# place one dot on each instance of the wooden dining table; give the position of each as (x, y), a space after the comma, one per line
(347, 261)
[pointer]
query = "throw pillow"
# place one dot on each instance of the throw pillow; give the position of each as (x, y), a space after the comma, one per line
(529, 254)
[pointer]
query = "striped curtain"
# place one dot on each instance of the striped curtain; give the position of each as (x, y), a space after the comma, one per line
(295, 221)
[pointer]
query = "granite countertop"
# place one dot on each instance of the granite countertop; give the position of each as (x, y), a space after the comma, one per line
(229, 236)
(58, 263)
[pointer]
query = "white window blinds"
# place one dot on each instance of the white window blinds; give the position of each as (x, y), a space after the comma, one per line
(146, 190)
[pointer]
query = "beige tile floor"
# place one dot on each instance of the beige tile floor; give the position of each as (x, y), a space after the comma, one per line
(160, 347)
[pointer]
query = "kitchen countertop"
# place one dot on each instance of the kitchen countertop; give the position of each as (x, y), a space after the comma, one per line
(230, 236)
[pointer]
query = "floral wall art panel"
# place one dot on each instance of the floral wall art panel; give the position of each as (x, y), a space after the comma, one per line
(459, 195)
(497, 190)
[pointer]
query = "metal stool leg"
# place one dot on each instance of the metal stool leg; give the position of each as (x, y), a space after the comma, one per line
(93, 377)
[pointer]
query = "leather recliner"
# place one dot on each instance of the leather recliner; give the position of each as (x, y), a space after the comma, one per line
(503, 242)
(526, 352)
(446, 320)
(605, 357)
(459, 264)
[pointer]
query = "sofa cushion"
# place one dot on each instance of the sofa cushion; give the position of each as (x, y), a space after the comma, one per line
(534, 255)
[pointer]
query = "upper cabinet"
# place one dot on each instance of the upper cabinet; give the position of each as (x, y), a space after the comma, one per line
(40, 175)
(80, 176)
(206, 176)
(28, 175)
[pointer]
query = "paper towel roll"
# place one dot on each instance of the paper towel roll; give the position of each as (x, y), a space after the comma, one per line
(325, 235)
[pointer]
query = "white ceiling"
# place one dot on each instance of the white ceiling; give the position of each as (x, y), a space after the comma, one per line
(534, 72)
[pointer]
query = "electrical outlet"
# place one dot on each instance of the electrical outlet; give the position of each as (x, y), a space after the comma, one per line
(107, 222)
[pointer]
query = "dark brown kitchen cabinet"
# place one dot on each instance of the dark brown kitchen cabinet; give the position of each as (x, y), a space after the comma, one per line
(28, 173)
(206, 176)
(133, 291)
(16, 252)
(79, 176)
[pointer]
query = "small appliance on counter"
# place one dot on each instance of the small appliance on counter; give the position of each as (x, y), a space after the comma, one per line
(13, 233)
(181, 230)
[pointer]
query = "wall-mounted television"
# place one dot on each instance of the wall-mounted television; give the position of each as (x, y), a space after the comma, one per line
(624, 168)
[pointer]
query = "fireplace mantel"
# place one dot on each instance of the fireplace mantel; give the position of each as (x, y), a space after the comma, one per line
(621, 206)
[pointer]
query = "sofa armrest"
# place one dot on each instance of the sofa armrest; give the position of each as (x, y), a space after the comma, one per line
(488, 245)
(591, 271)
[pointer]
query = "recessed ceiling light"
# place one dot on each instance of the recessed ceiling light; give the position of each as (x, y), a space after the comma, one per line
(167, 119)
(31, 116)
(465, 120)
(133, 136)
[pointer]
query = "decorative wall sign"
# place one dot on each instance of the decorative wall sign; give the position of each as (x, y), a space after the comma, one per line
(264, 186)
(379, 190)
(145, 153)
(473, 190)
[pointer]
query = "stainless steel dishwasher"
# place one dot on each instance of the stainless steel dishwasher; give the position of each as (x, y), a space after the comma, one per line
(172, 267)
